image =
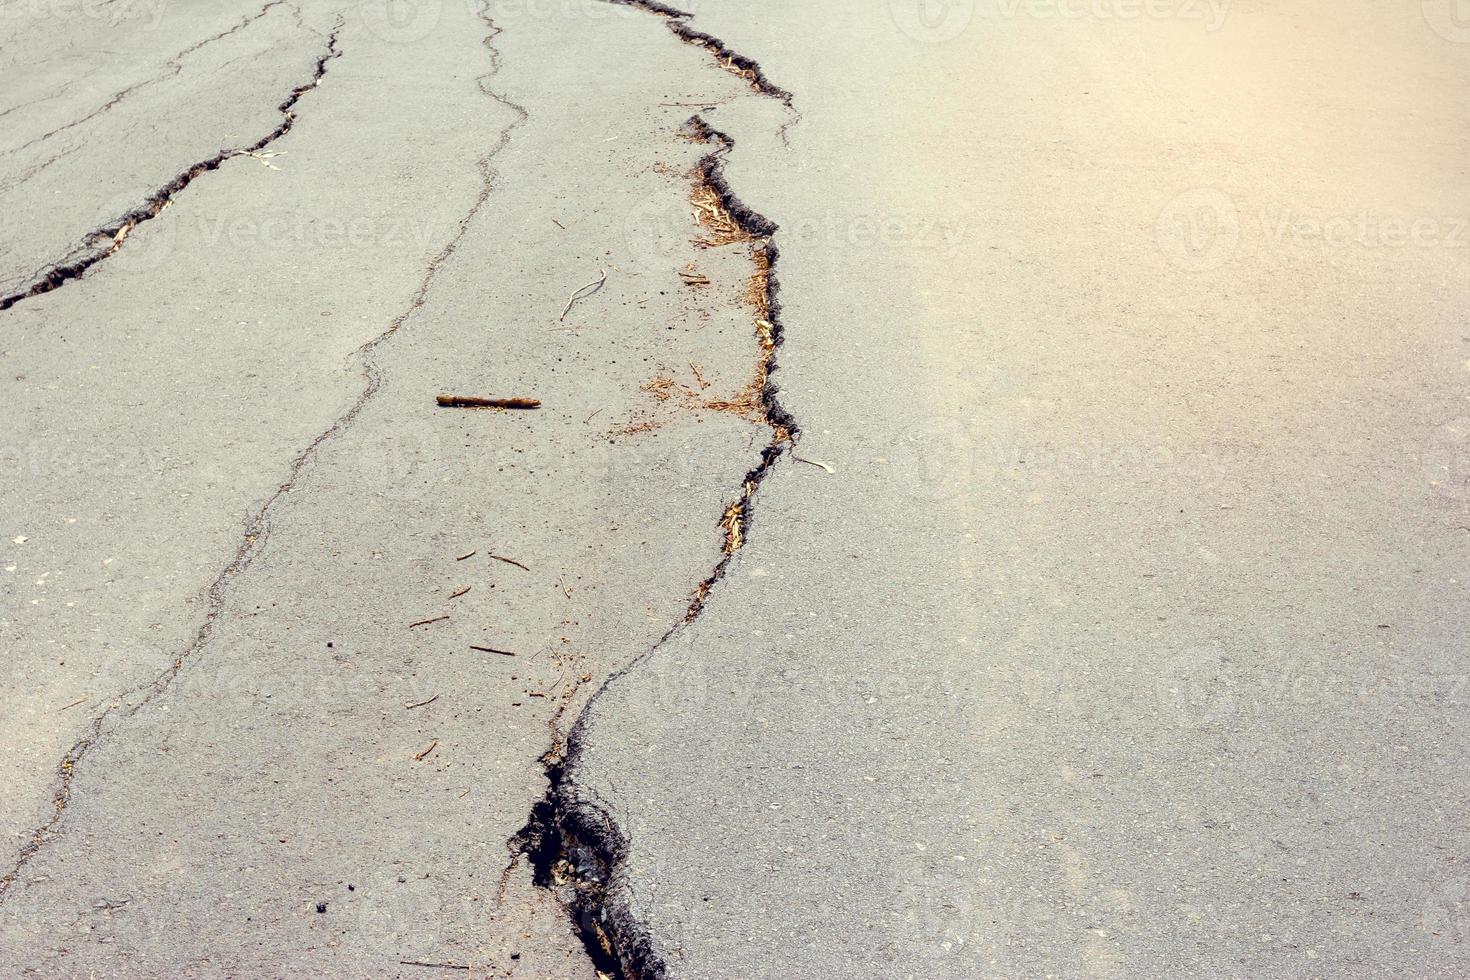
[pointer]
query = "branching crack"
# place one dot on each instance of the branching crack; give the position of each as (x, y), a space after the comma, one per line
(102, 242)
(257, 525)
(574, 846)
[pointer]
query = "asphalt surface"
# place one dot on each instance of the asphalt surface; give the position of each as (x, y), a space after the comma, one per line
(1104, 618)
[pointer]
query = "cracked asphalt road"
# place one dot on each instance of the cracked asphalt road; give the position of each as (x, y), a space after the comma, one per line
(1097, 610)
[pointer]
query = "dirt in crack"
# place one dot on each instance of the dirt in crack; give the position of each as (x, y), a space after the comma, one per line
(575, 848)
(103, 242)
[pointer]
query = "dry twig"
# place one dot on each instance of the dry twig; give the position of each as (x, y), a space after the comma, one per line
(473, 401)
(441, 966)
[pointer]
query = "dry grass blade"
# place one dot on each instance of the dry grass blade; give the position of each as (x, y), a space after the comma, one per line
(712, 213)
(582, 292)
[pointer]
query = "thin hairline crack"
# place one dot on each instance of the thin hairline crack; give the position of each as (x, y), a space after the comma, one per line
(257, 526)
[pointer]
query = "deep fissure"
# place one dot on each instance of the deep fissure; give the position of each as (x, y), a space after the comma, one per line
(575, 849)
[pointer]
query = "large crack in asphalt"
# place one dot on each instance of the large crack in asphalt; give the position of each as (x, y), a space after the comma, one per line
(175, 67)
(732, 61)
(572, 841)
(257, 525)
(103, 242)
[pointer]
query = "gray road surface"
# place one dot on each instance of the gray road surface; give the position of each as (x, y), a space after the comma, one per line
(1105, 617)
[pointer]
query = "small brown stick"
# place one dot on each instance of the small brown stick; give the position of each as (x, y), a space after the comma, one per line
(426, 622)
(441, 966)
(582, 292)
(592, 416)
(425, 753)
(503, 653)
(509, 561)
(420, 704)
(456, 595)
(559, 224)
(72, 705)
(470, 555)
(698, 376)
(473, 401)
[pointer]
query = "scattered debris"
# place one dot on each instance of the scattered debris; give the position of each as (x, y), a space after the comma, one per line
(503, 653)
(420, 704)
(813, 462)
(456, 595)
(509, 561)
(699, 376)
(471, 401)
(425, 753)
(426, 622)
(692, 276)
(634, 427)
(582, 292)
(661, 388)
